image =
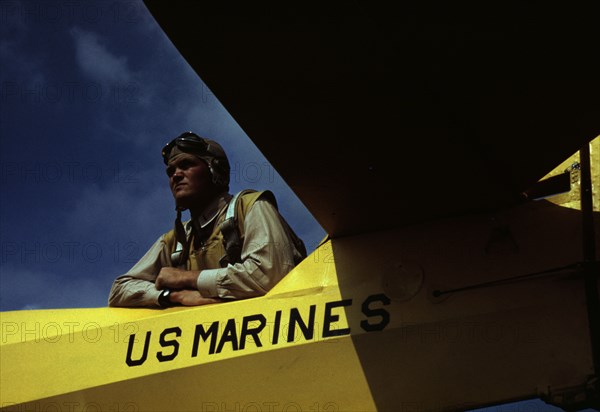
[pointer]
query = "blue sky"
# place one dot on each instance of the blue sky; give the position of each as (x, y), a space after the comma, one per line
(89, 94)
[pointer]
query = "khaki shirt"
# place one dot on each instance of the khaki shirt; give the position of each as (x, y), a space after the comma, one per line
(267, 256)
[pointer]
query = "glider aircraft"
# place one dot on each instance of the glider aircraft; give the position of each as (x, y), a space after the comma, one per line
(449, 152)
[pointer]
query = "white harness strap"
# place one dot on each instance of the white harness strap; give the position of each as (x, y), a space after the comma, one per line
(230, 214)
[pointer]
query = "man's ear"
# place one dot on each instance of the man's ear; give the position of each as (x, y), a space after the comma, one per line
(219, 168)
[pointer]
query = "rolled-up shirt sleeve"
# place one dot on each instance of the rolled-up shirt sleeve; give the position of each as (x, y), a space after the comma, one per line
(136, 287)
(267, 256)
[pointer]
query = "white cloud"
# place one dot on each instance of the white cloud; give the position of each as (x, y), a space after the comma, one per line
(96, 61)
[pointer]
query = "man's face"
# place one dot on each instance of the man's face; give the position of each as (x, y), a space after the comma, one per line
(190, 181)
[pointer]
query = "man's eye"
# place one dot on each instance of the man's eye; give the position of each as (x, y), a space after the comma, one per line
(170, 171)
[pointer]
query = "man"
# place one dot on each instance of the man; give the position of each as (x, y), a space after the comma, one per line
(232, 247)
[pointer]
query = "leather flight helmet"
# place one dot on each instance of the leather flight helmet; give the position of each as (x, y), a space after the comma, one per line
(208, 150)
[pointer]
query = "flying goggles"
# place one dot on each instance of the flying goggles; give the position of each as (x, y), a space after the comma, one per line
(186, 142)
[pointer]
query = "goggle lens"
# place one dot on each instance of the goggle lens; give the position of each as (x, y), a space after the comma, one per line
(187, 142)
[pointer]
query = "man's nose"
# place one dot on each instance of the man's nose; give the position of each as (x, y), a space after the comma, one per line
(177, 174)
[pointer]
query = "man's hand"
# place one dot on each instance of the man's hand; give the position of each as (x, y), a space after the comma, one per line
(183, 283)
(173, 278)
(191, 298)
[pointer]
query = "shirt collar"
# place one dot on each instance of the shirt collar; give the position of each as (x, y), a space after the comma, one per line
(210, 213)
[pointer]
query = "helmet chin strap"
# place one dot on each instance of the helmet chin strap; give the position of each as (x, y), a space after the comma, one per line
(180, 256)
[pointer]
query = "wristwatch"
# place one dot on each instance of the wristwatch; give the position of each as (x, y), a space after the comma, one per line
(163, 298)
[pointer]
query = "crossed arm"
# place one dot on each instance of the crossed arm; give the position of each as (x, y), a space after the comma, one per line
(267, 256)
(183, 284)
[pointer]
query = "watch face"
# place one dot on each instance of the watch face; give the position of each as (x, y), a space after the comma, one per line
(163, 298)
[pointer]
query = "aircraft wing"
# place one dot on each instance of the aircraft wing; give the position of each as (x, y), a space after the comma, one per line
(383, 115)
